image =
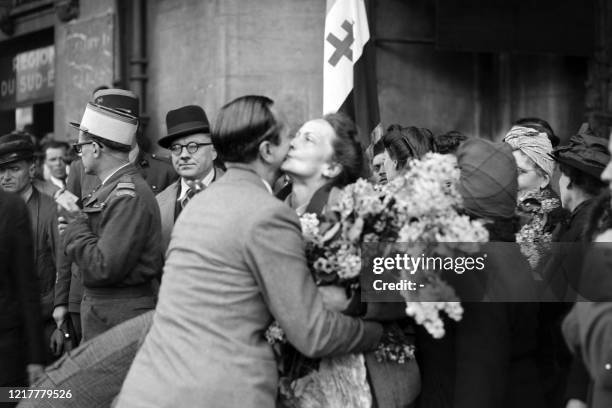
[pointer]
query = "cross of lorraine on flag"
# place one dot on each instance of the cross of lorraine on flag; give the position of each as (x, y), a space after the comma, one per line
(349, 71)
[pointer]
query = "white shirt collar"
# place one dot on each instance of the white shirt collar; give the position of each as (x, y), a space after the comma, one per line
(57, 182)
(268, 186)
(205, 181)
(114, 172)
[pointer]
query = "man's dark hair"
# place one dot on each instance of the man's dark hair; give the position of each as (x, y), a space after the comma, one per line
(541, 126)
(378, 148)
(242, 125)
(448, 142)
(55, 144)
(584, 181)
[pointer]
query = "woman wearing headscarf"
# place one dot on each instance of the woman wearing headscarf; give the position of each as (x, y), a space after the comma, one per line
(538, 205)
(487, 358)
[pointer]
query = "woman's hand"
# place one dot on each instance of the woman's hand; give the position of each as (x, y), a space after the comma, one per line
(334, 298)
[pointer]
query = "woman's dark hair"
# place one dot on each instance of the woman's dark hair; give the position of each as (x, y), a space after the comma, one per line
(242, 125)
(348, 152)
(405, 143)
(448, 142)
(584, 181)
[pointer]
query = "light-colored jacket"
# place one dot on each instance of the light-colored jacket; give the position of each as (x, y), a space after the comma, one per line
(235, 263)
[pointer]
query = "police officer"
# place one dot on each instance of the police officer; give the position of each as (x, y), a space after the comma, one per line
(115, 238)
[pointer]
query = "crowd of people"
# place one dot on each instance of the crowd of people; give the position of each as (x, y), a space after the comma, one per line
(133, 282)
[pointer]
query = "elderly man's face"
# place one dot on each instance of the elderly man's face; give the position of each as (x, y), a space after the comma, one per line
(16, 177)
(54, 160)
(196, 165)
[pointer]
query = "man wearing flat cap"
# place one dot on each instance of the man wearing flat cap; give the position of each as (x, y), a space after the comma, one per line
(115, 238)
(193, 156)
(16, 172)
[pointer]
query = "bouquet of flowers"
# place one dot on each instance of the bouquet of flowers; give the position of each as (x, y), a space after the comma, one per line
(421, 207)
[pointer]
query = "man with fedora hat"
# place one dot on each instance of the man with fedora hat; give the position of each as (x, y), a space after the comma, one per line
(16, 172)
(157, 173)
(193, 156)
(115, 239)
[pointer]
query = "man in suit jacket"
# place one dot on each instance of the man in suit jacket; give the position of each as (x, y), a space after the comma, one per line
(193, 155)
(21, 340)
(235, 263)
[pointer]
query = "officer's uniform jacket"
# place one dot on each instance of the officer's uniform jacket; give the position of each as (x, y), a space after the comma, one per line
(158, 174)
(116, 241)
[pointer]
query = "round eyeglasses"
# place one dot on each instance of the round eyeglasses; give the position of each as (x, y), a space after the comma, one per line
(191, 147)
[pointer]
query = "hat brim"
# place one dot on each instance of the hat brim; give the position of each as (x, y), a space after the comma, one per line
(13, 159)
(583, 167)
(167, 140)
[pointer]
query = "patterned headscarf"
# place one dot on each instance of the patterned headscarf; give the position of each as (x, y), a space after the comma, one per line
(535, 145)
(488, 182)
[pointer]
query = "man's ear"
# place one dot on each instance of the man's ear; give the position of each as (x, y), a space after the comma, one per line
(331, 170)
(32, 170)
(97, 149)
(265, 151)
(214, 153)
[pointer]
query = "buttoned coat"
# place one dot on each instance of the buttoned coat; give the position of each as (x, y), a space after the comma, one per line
(116, 246)
(233, 266)
(43, 216)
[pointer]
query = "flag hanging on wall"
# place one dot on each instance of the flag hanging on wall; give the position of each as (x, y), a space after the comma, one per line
(349, 66)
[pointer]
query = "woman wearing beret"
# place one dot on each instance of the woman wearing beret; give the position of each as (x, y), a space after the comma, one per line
(487, 359)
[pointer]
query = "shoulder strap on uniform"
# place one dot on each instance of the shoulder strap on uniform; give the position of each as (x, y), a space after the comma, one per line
(125, 186)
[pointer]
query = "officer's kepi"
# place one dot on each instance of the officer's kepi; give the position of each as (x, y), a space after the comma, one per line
(108, 124)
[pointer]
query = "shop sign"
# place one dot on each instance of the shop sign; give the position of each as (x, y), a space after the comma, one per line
(27, 78)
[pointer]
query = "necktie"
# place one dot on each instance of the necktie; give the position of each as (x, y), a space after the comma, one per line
(188, 196)
(194, 188)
